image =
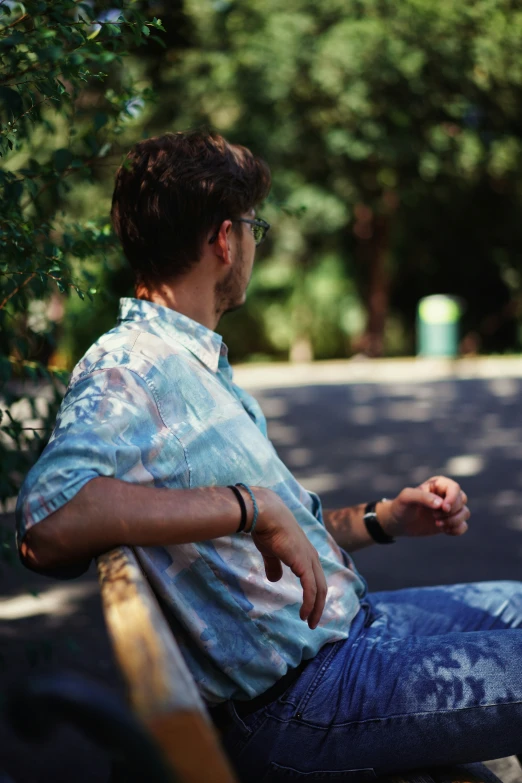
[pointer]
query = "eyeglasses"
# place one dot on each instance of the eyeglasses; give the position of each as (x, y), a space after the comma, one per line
(259, 229)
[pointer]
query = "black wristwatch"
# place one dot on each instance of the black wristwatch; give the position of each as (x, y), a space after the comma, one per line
(373, 526)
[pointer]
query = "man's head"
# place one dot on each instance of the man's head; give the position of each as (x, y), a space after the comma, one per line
(176, 195)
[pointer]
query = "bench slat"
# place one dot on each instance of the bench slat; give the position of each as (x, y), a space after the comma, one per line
(160, 687)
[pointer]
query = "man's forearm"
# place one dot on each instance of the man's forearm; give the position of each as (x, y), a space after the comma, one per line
(346, 525)
(108, 512)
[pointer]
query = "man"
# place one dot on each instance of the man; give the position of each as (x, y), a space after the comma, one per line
(156, 448)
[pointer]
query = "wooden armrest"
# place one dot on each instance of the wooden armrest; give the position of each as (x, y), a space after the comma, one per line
(160, 687)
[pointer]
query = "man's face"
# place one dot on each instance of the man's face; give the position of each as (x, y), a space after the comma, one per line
(231, 291)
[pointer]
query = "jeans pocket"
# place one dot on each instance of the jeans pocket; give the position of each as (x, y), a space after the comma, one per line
(243, 729)
(276, 773)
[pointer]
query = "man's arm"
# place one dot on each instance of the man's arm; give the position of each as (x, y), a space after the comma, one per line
(108, 512)
(438, 505)
(347, 528)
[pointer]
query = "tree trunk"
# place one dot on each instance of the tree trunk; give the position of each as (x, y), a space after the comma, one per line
(374, 246)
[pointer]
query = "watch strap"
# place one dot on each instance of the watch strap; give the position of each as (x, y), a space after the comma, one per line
(373, 525)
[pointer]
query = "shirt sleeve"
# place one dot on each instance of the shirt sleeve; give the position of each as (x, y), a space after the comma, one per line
(108, 425)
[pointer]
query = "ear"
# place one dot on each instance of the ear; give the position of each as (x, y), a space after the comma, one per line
(222, 245)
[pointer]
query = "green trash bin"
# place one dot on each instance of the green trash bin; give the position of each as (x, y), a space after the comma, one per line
(438, 325)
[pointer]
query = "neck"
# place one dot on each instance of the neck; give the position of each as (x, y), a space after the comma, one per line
(195, 301)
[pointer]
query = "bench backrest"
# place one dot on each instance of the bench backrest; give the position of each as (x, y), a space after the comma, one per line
(160, 688)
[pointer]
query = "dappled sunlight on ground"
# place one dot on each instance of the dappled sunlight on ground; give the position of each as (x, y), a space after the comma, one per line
(357, 442)
(464, 465)
(56, 601)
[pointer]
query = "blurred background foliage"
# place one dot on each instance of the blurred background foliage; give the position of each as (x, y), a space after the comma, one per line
(394, 134)
(65, 98)
(393, 131)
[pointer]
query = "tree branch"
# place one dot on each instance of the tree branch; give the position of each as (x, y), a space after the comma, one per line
(65, 173)
(34, 106)
(16, 21)
(17, 289)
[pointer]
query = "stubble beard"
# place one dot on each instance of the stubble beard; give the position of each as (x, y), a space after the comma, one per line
(229, 293)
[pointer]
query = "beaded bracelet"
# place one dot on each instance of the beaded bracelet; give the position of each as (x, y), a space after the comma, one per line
(254, 502)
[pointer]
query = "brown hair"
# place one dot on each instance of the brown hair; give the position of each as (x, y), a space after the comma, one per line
(172, 190)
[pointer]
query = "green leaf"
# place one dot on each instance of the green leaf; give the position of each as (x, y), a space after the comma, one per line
(62, 158)
(88, 10)
(112, 29)
(12, 100)
(145, 30)
(158, 24)
(100, 119)
(9, 41)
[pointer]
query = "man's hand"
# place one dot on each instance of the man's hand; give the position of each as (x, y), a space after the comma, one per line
(280, 540)
(438, 505)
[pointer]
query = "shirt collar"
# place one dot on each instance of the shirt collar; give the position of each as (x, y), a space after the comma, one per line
(205, 344)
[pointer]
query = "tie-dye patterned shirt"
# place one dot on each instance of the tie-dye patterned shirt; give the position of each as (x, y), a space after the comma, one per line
(153, 402)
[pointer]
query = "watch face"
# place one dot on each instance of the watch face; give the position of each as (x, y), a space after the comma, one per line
(370, 509)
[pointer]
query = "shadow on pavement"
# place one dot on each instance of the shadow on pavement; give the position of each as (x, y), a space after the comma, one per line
(48, 626)
(362, 442)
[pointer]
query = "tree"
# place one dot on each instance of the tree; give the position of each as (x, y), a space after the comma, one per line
(57, 127)
(382, 122)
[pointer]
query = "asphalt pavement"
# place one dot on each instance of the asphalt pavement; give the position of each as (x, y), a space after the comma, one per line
(351, 432)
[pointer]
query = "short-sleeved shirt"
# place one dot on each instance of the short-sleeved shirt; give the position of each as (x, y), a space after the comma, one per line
(153, 402)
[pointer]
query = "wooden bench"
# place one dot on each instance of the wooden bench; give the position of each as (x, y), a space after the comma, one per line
(163, 695)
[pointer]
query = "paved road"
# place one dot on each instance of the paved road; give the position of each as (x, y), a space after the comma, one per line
(349, 442)
(365, 441)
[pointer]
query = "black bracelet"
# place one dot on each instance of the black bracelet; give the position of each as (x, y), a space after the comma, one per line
(242, 506)
(373, 526)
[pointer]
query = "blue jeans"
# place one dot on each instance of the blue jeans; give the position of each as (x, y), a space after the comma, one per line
(428, 676)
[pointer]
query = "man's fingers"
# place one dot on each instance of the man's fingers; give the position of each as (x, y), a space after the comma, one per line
(449, 490)
(421, 496)
(451, 501)
(439, 493)
(457, 531)
(320, 598)
(308, 583)
(457, 524)
(273, 568)
(460, 508)
(314, 591)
